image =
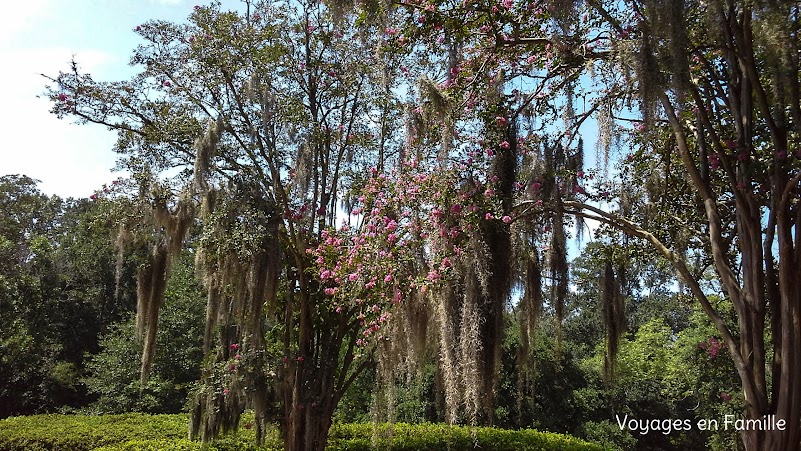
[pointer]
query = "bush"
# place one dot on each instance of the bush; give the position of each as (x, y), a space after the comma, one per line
(436, 437)
(143, 432)
(84, 432)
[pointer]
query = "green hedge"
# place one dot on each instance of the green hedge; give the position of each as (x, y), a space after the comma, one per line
(437, 437)
(142, 432)
(86, 432)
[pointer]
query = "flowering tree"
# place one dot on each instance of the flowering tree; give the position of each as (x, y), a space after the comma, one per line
(716, 84)
(254, 126)
(490, 145)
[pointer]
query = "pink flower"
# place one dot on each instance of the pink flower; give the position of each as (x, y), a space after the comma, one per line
(506, 219)
(167, 84)
(488, 216)
(725, 396)
(325, 274)
(504, 144)
(225, 392)
(353, 277)
(388, 278)
(446, 262)
(712, 347)
(300, 358)
(714, 162)
(501, 121)
(235, 346)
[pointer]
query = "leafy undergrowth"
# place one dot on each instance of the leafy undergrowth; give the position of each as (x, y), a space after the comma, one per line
(142, 432)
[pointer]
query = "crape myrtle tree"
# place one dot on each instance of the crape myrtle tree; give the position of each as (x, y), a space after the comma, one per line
(255, 127)
(716, 85)
(477, 118)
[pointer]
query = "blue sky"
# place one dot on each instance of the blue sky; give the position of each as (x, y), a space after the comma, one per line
(40, 36)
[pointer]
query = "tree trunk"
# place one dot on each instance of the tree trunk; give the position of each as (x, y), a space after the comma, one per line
(307, 427)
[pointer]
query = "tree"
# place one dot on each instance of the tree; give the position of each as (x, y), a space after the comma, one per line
(112, 373)
(56, 295)
(291, 98)
(717, 88)
(729, 99)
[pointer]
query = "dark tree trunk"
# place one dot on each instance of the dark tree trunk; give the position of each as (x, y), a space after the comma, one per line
(316, 377)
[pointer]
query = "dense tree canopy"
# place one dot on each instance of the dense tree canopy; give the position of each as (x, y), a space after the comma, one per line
(386, 180)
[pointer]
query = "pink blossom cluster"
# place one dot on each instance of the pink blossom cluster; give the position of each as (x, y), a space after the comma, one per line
(712, 346)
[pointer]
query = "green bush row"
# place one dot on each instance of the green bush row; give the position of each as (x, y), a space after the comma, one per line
(86, 432)
(143, 432)
(437, 437)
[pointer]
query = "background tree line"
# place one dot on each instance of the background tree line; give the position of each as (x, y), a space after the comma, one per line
(70, 349)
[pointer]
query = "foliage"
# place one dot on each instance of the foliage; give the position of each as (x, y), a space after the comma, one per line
(288, 94)
(112, 373)
(477, 203)
(167, 432)
(83, 432)
(57, 294)
(401, 436)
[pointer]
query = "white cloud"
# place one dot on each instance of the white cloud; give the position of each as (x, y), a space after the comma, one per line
(19, 16)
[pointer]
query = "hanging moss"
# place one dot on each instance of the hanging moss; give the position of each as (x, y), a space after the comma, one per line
(612, 306)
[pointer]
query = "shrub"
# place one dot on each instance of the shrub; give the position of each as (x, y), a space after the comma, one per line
(436, 437)
(84, 432)
(143, 432)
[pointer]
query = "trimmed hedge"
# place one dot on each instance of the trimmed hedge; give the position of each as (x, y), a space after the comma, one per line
(143, 432)
(437, 437)
(86, 432)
